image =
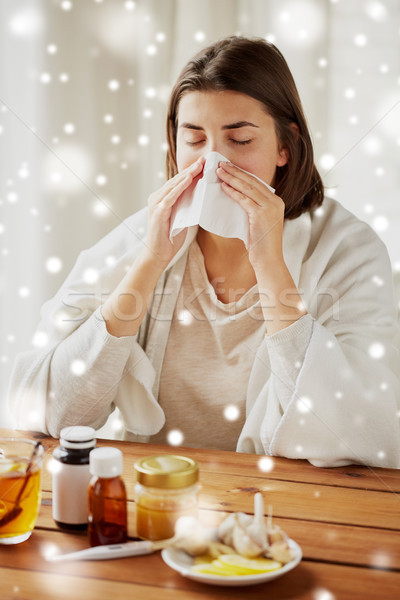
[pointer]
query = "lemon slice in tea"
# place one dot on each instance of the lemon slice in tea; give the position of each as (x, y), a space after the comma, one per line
(9, 466)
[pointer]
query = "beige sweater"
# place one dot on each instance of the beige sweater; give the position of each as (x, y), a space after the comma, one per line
(208, 360)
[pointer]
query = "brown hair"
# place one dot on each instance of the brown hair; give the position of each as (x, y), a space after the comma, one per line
(256, 68)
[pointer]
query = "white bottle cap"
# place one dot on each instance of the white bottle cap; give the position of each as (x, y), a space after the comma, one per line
(105, 462)
(78, 436)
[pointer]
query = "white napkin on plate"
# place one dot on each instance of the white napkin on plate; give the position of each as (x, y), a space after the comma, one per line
(205, 203)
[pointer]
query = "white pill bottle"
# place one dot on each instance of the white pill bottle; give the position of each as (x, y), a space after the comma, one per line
(71, 476)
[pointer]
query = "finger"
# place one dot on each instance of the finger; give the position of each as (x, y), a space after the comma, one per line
(228, 172)
(185, 177)
(245, 202)
(172, 183)
(195, 168)
(193, 171)
(170, 198)
(246, 190)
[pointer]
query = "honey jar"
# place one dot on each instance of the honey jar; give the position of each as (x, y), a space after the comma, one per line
(166, 489)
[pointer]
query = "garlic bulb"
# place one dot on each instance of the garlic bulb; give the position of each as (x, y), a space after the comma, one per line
(238, 533)
(246, 534)
(250, 537)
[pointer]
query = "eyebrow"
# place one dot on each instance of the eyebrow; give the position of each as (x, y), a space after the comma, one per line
(236, 125)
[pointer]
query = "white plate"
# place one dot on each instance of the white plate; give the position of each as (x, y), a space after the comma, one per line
(180, 561)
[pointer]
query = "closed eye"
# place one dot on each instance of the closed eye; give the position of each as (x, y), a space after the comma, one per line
(194, 143)
(241, 143)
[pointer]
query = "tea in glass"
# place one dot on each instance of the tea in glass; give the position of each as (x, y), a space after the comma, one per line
(19, 488)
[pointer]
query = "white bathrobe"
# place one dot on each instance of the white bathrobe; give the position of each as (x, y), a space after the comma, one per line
(326, 388)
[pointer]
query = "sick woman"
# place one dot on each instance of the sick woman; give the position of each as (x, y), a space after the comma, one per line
(285, 346)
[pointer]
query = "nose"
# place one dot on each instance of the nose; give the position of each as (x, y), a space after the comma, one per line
(213, 146)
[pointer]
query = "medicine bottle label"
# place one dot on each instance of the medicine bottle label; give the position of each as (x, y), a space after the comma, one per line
(70, 493)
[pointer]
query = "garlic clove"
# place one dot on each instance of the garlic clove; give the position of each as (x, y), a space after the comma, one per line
(275, 534)
(225, 530)
(257, 529)
(216, 549)
(281, 552)
(186, 525)
(190, 536)
(193, 546)
(243, 542)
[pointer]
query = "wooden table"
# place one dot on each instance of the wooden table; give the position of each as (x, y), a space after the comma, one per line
(347, 521)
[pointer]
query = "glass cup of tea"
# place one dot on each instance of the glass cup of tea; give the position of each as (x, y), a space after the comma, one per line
(20, 464)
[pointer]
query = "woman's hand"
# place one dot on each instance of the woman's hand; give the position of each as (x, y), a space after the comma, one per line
(125, 308)
(264, 209)
(159, 249)
(280, 300)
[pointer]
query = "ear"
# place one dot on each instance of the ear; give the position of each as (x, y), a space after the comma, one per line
(283, 155)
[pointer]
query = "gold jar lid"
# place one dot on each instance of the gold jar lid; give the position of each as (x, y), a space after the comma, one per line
(167, 471)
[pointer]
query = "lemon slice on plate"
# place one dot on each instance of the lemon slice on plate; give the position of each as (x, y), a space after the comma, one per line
(212, 569)
(246, 566)
(234, 564)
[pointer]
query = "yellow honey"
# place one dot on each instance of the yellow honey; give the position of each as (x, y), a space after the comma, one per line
(166, 489)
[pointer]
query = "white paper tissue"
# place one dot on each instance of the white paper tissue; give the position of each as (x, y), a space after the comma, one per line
(206, 204)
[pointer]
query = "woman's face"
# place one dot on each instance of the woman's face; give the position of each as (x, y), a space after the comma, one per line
(233, 124)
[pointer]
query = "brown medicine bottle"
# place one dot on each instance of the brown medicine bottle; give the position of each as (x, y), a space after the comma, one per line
(107, 518)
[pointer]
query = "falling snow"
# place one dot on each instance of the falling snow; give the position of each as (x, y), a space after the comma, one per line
(101, 179)
(45, 78)
(323, 594)
(380, 223)
(24, 292)
(78, 367)
(304, 405)
(360, 40)
(113, 85)
(90, 276)
(40, 339)
(66, 5)
(143, 140)
(53, 264)
(185, 317)
(23, 172)
(231, 412)
(327, 162)
(69, 128)
(175, 437)
(376, 350)
(266, 464)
